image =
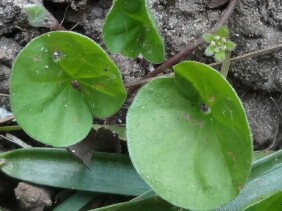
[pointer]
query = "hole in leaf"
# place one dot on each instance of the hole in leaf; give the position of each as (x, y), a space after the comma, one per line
(75, 84)
(204, 108)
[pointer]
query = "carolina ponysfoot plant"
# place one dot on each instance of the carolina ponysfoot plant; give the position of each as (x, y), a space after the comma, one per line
(130, 29)
(189, 138)
(59, 81)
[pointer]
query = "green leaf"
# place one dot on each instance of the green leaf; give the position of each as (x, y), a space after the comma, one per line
(118, 129)
(58, 82)
(146, 195)
(230, 45)
(10, 128)
(189, 138)
(273, 203)
(151, 204)
(261, 154)
(219, 56)
(208, 37)
(75, 202)
(209, 51)
(36, 14)
(130, 29)
(106, 173)
(222, 32)
(265, 182)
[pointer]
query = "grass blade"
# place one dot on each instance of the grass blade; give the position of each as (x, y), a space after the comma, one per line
(75, 202)
(153, 203)
(106, 173)
(265, 180)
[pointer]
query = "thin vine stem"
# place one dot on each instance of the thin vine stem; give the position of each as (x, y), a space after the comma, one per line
(4, 95)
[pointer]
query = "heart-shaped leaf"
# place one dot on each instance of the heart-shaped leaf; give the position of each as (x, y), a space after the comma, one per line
(189, 138)
(59, 81)
(130, 29)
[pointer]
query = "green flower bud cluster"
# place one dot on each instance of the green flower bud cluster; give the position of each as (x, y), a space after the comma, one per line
(219, 43)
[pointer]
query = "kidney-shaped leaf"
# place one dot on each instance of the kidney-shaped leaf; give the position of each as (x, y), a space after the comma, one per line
(58, 82)
(130, 29)
(189, 138)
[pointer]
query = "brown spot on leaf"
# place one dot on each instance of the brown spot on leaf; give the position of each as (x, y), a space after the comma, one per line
(230, 154)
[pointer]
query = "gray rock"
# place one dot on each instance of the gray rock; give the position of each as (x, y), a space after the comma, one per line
(24, 37)
(4, 79)
(130, 69)
(271, 11)
(33, 197)
(4, 86)
(181, 23)
(8, 50)
(12, 16)
(261, 72)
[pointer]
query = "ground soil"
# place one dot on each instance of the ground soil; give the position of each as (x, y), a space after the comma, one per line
(254, 25)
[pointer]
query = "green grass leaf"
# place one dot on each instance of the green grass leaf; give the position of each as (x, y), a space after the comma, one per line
(189, 138)
(75, 202)
(130, 29)
(106, 173)
(153, 203)
(261, 154)
(273, 203)
(59, 81)
(264, 186)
